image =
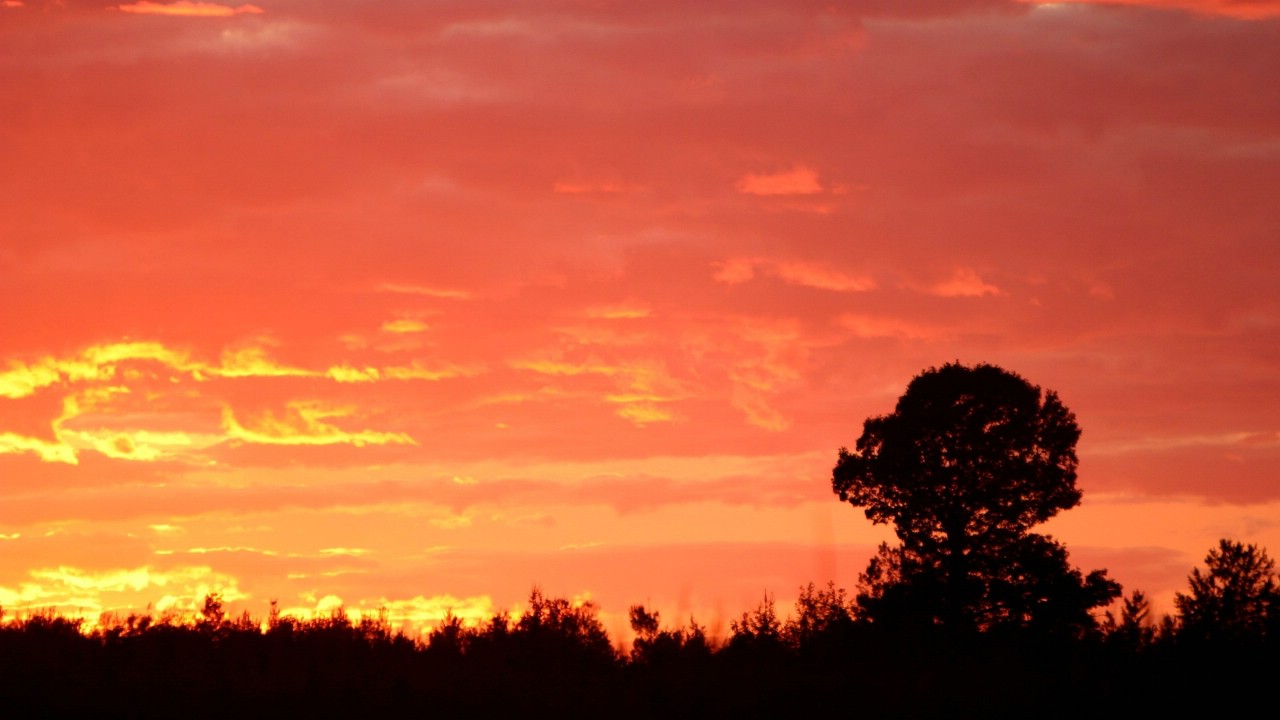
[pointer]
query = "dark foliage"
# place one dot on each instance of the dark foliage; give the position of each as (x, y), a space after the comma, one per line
(1235, 599)
(556, 660)
(969, 461)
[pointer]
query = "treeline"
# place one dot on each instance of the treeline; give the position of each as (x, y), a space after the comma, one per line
(556, 659)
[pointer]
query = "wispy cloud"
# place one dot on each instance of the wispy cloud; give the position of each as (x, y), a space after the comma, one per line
(1242, 9)
(303, 423)
(424, 290)
(643, 387)
(797, 181)
(404, 326)
(189, 9)
(964, 283)
(735, 271)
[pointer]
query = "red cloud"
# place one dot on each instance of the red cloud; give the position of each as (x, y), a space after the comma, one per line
(797, 181)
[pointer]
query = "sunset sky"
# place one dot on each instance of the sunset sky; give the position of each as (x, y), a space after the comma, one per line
(416, 304)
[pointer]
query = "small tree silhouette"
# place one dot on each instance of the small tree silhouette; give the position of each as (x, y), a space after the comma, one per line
(654, 646)
(823, 623)
(1233, 599)
(1136, 629)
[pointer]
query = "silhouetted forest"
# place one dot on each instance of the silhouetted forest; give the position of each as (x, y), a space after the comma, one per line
(971, 615)
(557, 659)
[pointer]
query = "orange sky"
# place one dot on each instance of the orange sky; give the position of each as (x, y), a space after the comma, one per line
(418, 304)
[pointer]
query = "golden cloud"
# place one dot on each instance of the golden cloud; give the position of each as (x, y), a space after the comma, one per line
(643, 385)
(23, 380)
(555, 367)
(83, 379)
(416, 371)
(644, 413)
(188, 9)
(404, 326)
(345, 551)
(349, 374)
(253, 362)
(82, 592)
(47, 451)
(303, 424)
(141, 445)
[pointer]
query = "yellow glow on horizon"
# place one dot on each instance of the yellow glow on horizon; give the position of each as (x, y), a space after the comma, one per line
(420, 614)
(81, 592)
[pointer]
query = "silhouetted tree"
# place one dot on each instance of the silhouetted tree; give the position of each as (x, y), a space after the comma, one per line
(654, 646)
(758, 630)
(448, 639)
(823, 623)
(564, 626)
(1232, 599)
(969, 461)
(1135, 630)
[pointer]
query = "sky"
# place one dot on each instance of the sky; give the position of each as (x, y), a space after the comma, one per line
(417, 305)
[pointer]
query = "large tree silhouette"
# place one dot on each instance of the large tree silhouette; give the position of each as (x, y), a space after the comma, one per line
(969, 461)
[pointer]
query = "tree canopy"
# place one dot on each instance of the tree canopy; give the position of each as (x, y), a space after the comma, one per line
(1234, 599)
(969, 461)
